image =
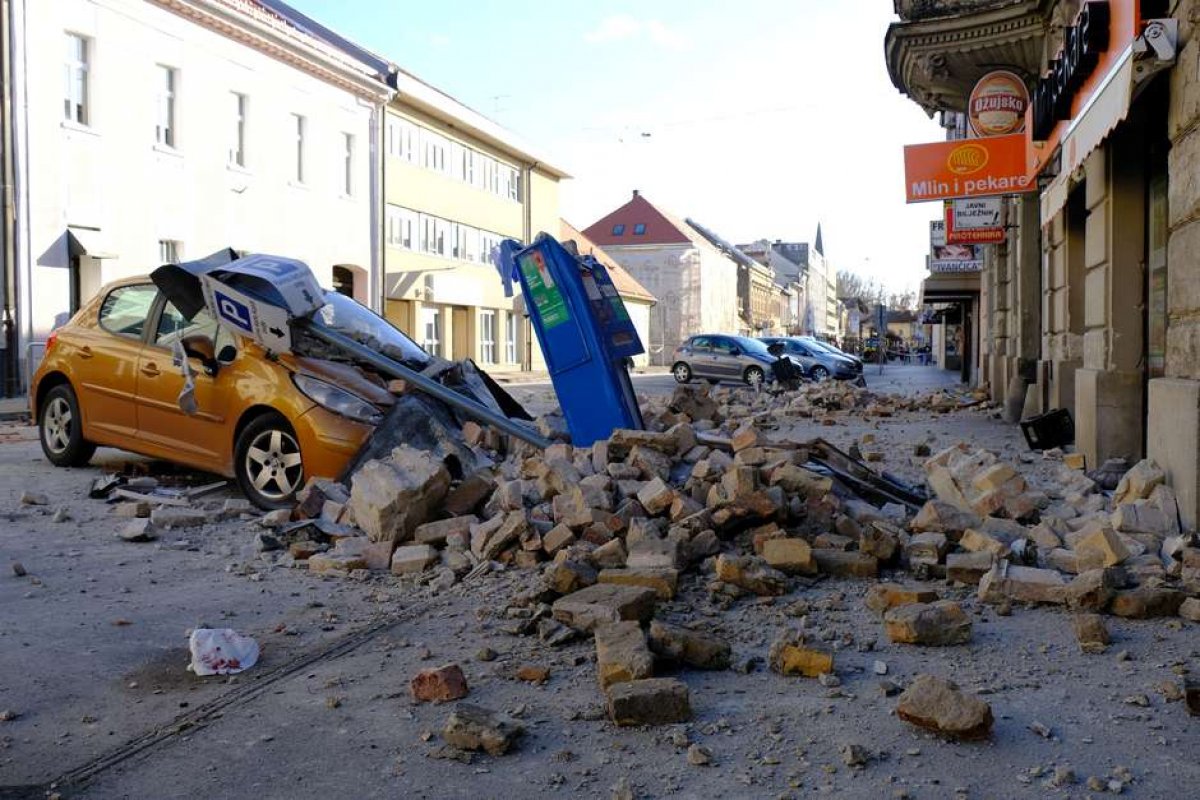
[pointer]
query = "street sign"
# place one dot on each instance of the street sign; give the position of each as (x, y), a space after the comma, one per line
(976, 220)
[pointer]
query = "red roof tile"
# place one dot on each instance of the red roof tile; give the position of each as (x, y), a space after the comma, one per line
(626, 284)
(660, 227)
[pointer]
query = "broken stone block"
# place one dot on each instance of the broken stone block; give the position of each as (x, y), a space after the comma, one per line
(664, 582)
(926, 548)
(878, 540)
(560, 536)
(436, 533)
(413, 559)
(347, 555)
(684, 646)
(610, 555)
(439, 684)
(942, 482)
(977, 541)
(1138, 483)
(656, 497)
(651, 553)
(1091, 590)
(752, 574)
(1141, 516)
(846, 565)
(390, 498)
(884, 596)
(515, 525)
(996, 477)
(1063, 560)
(604, 602)
(652, 463)
(1189, 609)
(703, 544)
(938, 516)
(789, 655)
(832, 541)
(939, 706)
(934, 624)
(311, 499)
(1090, 632)
(139, 530)
(795, 479)
(745, 437)
(790, 556)
(652, 701)
(969, 568)
(472, 727)
(1025, 584)
(469, 495)
(622, 653)
(566, 575)
(1146, 602)
(173, 517)
(1101, 548)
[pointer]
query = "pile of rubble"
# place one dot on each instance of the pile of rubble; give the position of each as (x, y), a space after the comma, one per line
(611, 531)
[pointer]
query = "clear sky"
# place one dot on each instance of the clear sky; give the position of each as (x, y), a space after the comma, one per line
(757, 118)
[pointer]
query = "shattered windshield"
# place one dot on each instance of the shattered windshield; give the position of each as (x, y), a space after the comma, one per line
(350, 318)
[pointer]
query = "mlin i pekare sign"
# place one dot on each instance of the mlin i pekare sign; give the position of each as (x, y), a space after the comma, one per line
(966, 168)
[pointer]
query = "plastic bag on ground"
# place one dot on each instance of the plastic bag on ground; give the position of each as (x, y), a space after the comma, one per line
(221, 651)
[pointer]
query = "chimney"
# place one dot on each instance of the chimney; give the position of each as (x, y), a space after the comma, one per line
(635, 192)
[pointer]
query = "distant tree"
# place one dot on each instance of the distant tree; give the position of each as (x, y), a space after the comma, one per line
(852, 285)
(902, 301)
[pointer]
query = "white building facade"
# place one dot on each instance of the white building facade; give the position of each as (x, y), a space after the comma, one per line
(153, 131)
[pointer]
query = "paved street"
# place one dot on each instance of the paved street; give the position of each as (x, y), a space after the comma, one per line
(93, 650)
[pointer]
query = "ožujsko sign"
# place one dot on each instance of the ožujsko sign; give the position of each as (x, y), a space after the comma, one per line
(997, 105)
(966, 168)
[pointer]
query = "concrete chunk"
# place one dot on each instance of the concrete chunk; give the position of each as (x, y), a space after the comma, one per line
(1025, 584)
(653, 701)
(938, 705)
(789, 555)
(622, 654)
(936, 624)
(685, 646)
(664, 582)
(605, 602)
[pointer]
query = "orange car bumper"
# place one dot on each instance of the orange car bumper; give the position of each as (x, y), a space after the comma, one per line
(329, 441)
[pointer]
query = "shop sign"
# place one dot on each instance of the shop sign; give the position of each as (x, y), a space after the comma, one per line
(937, 233)
(1083, 44)
(976, 220)
(966, 168)
(997, 105)
(956, 258)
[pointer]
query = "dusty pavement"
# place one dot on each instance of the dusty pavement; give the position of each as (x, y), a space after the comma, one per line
(93, 649)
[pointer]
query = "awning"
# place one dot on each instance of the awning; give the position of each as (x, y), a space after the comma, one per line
(1104, 111)
(88, 242)
(950, 287)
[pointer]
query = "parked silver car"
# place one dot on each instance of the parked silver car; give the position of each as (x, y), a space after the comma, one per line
(818, 363)
(720, 357)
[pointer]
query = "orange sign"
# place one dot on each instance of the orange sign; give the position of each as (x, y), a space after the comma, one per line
(997, 105)
(966, 168)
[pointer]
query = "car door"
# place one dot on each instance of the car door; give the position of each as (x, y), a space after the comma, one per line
(725, 363)
(701, 358)
(104, 356)
(801, 355)
(163, 426)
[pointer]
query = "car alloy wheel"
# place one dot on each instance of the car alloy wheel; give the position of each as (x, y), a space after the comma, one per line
(682, 373)
(754, 376)
(819, 374)
(56, 425)
(274, 465)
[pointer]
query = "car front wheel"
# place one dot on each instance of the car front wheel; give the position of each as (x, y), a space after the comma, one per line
(60, 429)
(268, 465)
(819, 374)
(682, 372)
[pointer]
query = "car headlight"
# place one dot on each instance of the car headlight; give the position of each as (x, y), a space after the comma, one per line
(339, 401)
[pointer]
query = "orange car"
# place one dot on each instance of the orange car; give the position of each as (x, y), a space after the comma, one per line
(270, 421)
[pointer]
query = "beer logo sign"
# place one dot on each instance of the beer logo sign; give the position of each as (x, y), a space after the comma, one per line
(997, 105)
(967, 159)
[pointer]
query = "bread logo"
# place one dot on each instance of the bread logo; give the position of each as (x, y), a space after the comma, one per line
(997, 105)
(967, 159)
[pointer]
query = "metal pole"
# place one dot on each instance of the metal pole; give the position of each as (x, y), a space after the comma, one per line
(470, 407)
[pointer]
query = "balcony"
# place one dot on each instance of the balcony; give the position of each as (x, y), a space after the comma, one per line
(940, 48)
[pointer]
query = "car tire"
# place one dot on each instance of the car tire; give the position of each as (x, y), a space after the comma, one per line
(60, 429)
(682, 372)
(754, 376)
(268, 463)
(819, 373)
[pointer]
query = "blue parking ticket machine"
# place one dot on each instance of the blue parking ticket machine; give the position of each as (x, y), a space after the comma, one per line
(585, 332)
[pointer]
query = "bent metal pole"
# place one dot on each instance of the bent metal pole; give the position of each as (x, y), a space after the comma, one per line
(471, 408)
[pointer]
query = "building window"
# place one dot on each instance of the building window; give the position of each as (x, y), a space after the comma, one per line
(432, 341)
(168, 251)
(348, 164)
(618, 230)
(510, 337)
(487, 337)
(237, 144)
(76, 99)
(299, 123)
(164, 126)
(435, 146)
(639, 229)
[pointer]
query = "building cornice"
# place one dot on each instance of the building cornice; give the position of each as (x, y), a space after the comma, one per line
(937, 60)
(261, 29)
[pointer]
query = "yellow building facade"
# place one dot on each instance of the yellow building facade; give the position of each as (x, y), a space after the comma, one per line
(455, 185)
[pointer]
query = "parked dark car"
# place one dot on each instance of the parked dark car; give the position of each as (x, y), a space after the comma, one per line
(818, 363)
(837, 351)
(721, 357)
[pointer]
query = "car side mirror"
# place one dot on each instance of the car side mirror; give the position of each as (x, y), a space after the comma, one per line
(735, 351)
(201, 347)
